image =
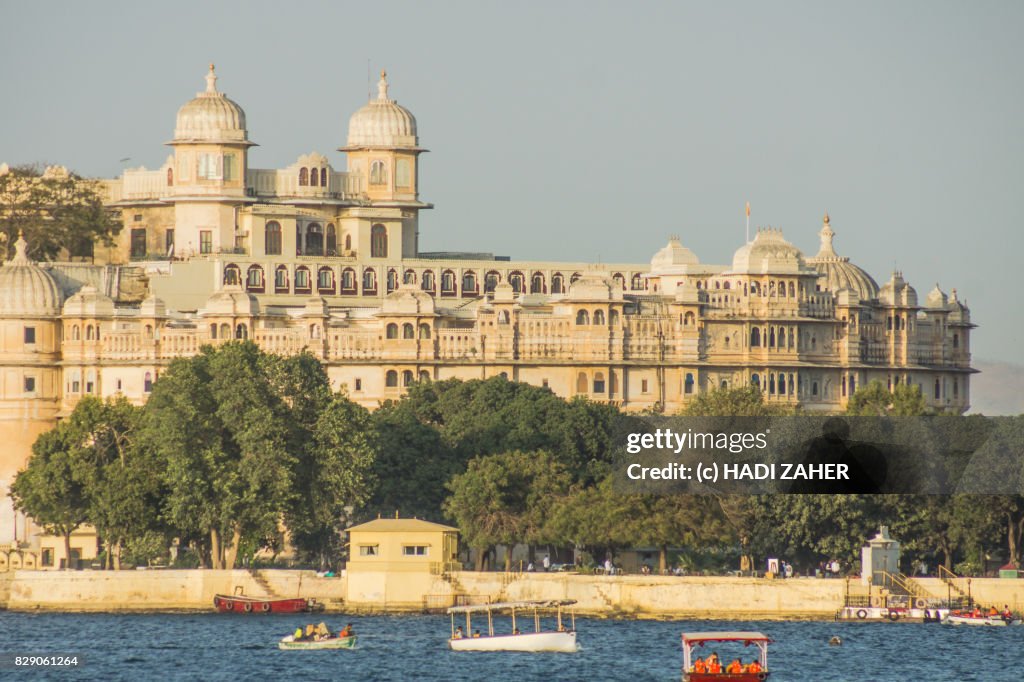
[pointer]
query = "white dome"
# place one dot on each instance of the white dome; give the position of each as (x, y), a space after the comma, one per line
(231, 300)
(382, 123)
(936, 298)
(769, 253)
(838, 272)
(672, 256)
(27, 289)
(211, 117)
(898, 292)
(89, 302)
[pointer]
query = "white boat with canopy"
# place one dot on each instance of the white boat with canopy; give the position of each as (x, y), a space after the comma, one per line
(561, 639)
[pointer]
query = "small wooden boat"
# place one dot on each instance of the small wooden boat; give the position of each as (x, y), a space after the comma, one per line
(957, 618)
(289, 642)
(559, 640)
(696, 640)
(239, 603)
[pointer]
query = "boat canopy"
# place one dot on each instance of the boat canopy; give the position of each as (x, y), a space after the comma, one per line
(498, 606)
(698, 638)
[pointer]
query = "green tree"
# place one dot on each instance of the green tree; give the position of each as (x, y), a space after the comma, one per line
(875, 400)
(746, 401)
(504, 499)
(56, 211)
(221, 431)
(51, 488)
(665, 521)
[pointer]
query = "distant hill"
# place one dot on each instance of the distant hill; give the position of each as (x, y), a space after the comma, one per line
(999, 389)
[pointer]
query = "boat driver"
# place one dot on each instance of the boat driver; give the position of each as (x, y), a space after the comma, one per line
(458, 633)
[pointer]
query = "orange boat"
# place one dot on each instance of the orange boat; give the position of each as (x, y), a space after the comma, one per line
(696, 640)
(241, 604)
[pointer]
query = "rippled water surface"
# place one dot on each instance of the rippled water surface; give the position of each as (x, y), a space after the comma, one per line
(224, 647)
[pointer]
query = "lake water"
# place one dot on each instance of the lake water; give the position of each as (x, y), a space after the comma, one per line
(224, 647)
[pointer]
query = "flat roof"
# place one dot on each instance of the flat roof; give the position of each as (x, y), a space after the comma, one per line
(401, 526)
(737, 636)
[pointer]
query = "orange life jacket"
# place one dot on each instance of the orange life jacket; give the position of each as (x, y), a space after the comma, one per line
(993, 612)
(734, 667)
(699, 667)
(715, 667)
(753, 667)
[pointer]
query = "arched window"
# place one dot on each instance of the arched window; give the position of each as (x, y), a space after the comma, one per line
(956, 387)
(254, 279)
(147, 383)
(241, 332)
(424, 331)
(771, 384)
(447, 283)
(598, 382)
(636, 282)
(272, 241)
(378, 173)
(314, 331)
(409, 277)
(771, 337)
(582, 318)
(503, 317)
(407, 377)
(213, 331)
(938, 389)
(303, 177)
(323, 177)
(469, 283)
(727, 286)
(408, 331)
(557, 283)
(755, 381)
(392, 280)
(782, 337)
(232, 274)
(620, 280)
(782, 384)
(814, 343)
(491, 280)
(348, 281)
(315, 239)
(814, 388)
(516, 280)
(688, 384)
(424, 375)
(325, 280)
(853, 385)
(427, 282)
(537, 283)
(379, 241)
(348, 242)
(88, 332)
(332, 240)
(391, 331)
(302, 283)
(755, 337)
(314, 177)
(225, 331)
(613, 318)
(581, 383)
(575, 276)
(369, 281)
(956, 340)
(391, 379)
(599, 317)
(76, 335)
(689, 319)
(170, 177)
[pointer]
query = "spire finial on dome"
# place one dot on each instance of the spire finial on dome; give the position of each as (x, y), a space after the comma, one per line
(20, 250)
(382, 86)
(211, 80)
(826, 218)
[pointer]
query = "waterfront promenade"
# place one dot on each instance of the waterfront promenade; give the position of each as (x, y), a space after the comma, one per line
(597, 595)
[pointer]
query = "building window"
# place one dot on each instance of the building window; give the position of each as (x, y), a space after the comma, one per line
(314, 240)
(281, 280)
(688, 384)
(636, 282)
(30, 335)
(599, 317)
(379, 242)
(273, 238)
(391, 379)
(544, 383)
(325, 280)
(169, 242)
(30, 384)
(359, 384)
(516, 280)
(582, 318)
(447, 282)
(230, 168)
(302, 280)
(391, 331)
(408, 331)
(47, 557)
(118, 383)
(368, 550)
(147, 383)
(414, 550)
(323, 177)
(205, 241)
(407, 378)
(254, 278)
(369, 281)
(378, 173)
(755, 381)
(491, 280)
(424, 331)
(468, 283)
(314, 177)
(138, 245)
(409, 277)
(392, 280)
(303, 177)
(332, 240)
(755, 337)
(211, 166)
(598, 382)
(232, 274)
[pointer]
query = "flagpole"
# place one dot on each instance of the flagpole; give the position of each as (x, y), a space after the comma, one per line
(748, 222)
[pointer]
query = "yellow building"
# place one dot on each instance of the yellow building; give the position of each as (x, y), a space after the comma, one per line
(394, 562)
(312, 258)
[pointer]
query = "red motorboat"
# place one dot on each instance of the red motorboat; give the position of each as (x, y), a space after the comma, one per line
(697, 672)
(239, 603)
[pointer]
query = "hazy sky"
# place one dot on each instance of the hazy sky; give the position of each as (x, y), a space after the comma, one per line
(586, 131)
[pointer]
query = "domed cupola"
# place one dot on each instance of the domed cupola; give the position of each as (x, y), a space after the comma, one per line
(382, 123)
(837, 272)
(27, 290)
(936, 298)
(673, 257)
(768, 253)
(211, 118)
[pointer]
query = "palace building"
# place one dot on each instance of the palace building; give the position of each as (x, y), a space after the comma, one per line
(313, 258)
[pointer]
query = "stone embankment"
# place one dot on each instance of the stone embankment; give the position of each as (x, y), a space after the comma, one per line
(604, 596)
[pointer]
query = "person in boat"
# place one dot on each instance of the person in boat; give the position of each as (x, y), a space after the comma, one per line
(322, 632)
(297, 634)
(516, 632)
(310, 632)
(753, 667)
(458, 633)
(714, 665)
(1007, 614)
(976, 613)
(347, 631)
(734, 667)
(993, 611)
(476, 634)
(699, 666)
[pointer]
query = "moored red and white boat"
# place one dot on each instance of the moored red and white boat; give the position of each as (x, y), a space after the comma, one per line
(965, 618)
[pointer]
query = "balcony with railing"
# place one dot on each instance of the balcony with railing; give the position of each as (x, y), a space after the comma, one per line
(285, 183)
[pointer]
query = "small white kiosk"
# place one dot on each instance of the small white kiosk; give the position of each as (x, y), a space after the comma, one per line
(882, 553)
